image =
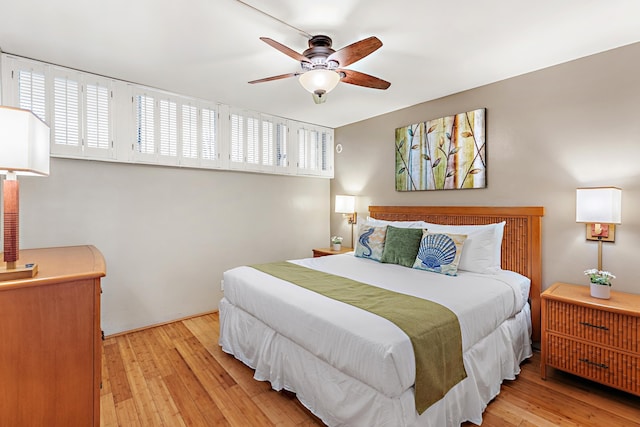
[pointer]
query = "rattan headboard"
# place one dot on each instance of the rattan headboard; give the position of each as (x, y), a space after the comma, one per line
(521, 245)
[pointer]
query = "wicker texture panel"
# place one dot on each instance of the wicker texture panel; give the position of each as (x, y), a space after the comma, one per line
(616, 369)
(597, 326)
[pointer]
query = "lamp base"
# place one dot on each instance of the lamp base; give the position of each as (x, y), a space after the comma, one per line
(19, 272)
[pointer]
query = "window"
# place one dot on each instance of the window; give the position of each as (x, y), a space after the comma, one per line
(209, 135)
(315, 149)
(66, 112)
(145, 135)
(31, 92)
(281, 145)
(267, 143)
(168, 128)
(95, 117)
(189, 132)
(253, 140)
(237, 139)
(98, 112)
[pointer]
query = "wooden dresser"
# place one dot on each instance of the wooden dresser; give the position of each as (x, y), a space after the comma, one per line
(50, 340)
(594, 338)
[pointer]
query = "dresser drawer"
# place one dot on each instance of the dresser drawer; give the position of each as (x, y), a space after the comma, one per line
(619, 370)
(593, 325)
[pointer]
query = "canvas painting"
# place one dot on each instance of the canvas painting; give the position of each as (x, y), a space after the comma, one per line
(442, 154)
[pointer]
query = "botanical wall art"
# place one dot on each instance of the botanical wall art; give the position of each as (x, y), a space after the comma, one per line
(442, 154)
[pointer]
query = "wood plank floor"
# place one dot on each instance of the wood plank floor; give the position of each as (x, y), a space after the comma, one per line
(176, 375)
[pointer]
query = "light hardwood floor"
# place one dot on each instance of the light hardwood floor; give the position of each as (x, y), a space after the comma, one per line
(176, 375)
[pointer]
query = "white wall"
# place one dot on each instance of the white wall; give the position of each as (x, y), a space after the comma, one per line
(168, 234)
(548, 132)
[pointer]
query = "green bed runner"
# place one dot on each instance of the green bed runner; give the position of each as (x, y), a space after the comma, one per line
(434, 330)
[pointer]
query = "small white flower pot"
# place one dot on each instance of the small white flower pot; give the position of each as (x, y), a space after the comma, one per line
(337, 246)
(600, 291)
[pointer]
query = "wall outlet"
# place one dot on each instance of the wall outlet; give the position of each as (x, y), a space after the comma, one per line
(222, 285)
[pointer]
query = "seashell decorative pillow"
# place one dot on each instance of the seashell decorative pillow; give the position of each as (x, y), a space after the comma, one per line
(371, 242)
(440, 252)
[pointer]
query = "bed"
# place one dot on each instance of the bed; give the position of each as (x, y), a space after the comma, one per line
(351, 367)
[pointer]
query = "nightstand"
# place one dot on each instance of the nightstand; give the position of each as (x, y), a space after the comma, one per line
(318, 252)
(593, 338)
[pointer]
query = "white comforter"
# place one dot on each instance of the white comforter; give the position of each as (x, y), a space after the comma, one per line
(358, 343)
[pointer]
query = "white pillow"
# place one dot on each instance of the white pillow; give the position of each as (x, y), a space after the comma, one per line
(481, 252)
(398, 224)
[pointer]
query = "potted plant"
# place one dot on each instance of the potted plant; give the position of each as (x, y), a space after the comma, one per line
(600, 283)
(336, 241)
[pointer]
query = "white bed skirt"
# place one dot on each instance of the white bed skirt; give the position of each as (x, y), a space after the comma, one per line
(340, 400)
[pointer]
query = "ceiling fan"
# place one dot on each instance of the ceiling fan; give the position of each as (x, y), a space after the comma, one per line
(323, 67)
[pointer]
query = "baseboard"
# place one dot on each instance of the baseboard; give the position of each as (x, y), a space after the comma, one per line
(155, 325)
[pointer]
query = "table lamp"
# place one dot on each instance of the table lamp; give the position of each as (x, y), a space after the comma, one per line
(346, 205)
(24, 150)
(600, 208)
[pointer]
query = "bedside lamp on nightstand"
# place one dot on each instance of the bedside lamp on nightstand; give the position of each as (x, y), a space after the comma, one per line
(600, 208)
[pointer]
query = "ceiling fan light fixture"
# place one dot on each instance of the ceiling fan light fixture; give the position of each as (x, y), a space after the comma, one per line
(319, 81)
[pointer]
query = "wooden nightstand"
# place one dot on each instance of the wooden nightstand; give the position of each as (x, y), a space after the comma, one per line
(594, 338)
(318, 252)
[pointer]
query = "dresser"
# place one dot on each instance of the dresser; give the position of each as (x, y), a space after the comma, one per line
(50, 340)
(594, 338)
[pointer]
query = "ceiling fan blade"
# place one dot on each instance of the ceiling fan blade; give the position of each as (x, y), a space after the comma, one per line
(355, 51)
(284, 49)
(361, 79)
(281, 76)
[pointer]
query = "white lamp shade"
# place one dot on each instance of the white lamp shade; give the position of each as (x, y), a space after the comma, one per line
(24, 143)
(345, 204)
(601, 205)
(321, 80)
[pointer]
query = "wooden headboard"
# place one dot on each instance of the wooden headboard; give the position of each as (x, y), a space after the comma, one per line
(521, 244)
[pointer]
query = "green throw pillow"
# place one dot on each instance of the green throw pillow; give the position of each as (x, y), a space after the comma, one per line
(401, 245)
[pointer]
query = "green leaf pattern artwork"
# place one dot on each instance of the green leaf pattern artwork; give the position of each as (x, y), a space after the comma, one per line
(442, 154)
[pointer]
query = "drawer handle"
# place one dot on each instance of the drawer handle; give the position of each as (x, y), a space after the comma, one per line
(604, 328)
(599, 365)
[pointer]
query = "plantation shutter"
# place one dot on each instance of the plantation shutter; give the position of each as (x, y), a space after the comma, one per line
(66, 112)
(189, 132)
(237, 138)
(209, 136)
(145, 135)
(31, 93)
(253, 142)
(324, 145)
(267, 143)
(281, 145)
(97, 116)
(168, 128)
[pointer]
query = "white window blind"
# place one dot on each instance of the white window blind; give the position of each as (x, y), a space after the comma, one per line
(31, 93)
(253, 141)
(66, 112)
(281, 145)
(209, 135)
(98, 116)
(168, 128)
(313, 151)
(237, 138)
(324, 151)
(189, 132)
(145, 135)
(267, 143)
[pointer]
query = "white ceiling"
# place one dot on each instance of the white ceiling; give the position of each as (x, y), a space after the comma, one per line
(211, 48)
